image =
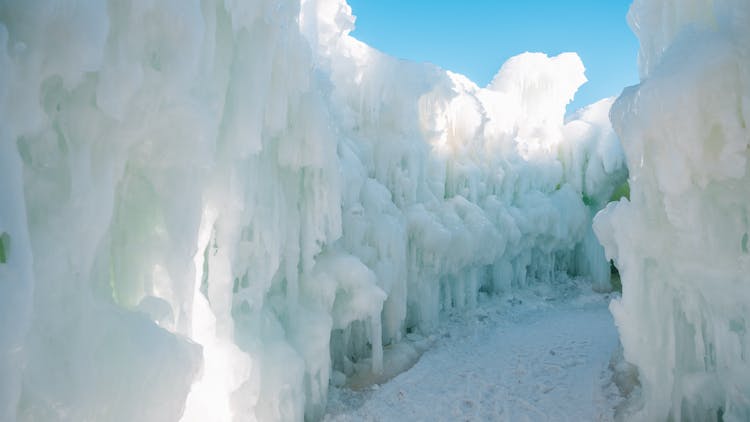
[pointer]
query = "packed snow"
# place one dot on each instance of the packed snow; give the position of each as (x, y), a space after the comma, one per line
(215, 210)
(529, 357)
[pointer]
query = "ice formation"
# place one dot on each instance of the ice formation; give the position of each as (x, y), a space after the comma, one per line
(209, 206)
(681, 241)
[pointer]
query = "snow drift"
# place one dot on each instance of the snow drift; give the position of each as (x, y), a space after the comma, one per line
(681, 242)
(210, 206)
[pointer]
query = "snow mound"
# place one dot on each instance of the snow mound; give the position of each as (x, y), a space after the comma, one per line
(681, 241)
(209, 207)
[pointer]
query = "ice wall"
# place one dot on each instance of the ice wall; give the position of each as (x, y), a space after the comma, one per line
(681, 242)
(209, 206)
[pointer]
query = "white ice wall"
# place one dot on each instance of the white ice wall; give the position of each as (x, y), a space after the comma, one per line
(208, 205)
(681, 242)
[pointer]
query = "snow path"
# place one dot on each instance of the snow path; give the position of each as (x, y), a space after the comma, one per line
(512, 360)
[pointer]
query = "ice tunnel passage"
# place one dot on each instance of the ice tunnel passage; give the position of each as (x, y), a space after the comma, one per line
(215, 209)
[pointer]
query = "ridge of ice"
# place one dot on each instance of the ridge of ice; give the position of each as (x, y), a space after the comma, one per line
(680, 242)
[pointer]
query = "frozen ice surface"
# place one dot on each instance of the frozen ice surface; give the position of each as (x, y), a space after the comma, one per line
(209, 207)
(681, 241)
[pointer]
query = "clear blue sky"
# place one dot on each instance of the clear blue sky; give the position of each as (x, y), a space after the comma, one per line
(474, 37)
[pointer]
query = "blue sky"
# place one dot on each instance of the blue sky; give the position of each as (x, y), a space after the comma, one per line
(474, 37)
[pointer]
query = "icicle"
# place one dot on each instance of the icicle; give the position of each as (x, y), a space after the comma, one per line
(376, 340)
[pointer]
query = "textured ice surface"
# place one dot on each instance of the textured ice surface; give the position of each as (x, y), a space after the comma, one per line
(208, 206)
(681, 242)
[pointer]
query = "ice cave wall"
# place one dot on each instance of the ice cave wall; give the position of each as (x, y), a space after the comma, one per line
(209, 206)
(681, 241)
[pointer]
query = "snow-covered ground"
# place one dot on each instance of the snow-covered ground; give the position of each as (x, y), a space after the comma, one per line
(534, 357)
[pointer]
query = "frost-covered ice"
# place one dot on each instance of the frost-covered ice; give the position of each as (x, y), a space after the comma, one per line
(681, 242)
(209, 206)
